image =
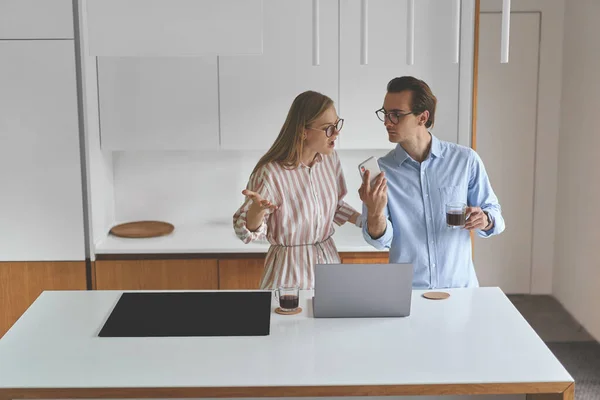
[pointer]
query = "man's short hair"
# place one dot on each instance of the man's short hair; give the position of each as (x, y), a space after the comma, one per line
(422, 98)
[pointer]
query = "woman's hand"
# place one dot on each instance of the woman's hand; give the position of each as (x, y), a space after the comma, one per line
(356, 219)
(257, 209)
(258, 203)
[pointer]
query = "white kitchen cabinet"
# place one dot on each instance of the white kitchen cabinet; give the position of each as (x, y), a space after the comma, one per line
(363, 87)
(158, 103)
(36, 19)
(41, 209)
(257, 91)
(147, 28)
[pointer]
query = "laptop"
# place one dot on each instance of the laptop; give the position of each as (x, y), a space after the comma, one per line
(362, 290)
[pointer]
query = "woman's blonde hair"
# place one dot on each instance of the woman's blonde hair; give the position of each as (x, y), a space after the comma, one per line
(287, 148)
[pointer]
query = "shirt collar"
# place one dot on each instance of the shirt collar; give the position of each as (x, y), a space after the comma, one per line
(318, 158)
(400, 154)
(436, 149)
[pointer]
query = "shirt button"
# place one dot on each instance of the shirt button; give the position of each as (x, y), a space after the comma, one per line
(426, 195)
(432, 265)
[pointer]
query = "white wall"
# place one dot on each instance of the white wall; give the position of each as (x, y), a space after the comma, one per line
(191, 187)
(509, 89)
(577, 269)
(546, 146)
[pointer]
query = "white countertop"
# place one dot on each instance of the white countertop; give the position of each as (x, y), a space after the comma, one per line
(476, 336)
(217, 238)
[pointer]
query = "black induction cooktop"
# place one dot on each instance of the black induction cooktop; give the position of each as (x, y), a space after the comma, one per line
(163, 314)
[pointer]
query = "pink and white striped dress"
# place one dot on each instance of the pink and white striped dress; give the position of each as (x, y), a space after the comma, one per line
(310, 200)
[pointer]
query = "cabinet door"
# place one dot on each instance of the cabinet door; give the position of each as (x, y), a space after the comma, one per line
(158, 103)
(243, 273)
(146, 28)
(41, 210)
(257, 91)
(36, 19)
(157, 275)
(363, 87)
(22, 282)
(365, 258)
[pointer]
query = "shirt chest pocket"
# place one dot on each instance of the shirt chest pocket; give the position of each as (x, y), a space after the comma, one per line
(452, 194)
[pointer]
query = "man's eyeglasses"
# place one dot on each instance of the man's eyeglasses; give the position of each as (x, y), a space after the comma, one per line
(331, 129)
(393, 116)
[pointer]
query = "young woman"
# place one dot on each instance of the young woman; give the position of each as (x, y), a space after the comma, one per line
(295, 194)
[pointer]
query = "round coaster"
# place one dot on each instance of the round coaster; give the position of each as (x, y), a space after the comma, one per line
(298, 310)
(436, 295)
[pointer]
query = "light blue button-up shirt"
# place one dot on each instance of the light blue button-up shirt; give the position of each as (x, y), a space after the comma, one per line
(416, 229)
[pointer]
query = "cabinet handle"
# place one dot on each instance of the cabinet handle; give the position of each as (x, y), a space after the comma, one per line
(505, 31)
(456, 13)
(410, 32)
(364, 32)
(316, 56)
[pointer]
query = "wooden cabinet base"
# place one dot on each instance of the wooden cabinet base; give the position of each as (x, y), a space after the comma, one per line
(22, 282)
(193, 271)
(245, 273)
(365, 258)
(194, 274)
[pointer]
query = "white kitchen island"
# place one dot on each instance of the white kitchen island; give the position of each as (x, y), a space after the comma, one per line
(474, 343)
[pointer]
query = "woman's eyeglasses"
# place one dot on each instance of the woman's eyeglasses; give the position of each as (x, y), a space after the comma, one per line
(393, 116)
(331, 129)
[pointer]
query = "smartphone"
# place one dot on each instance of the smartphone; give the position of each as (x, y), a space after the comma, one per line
(371, 165)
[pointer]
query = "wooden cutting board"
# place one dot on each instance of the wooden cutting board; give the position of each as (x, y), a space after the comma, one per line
(142, 229)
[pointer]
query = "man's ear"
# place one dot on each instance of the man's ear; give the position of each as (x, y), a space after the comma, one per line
(424, 117)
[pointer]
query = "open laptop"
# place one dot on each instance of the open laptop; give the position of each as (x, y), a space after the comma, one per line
(362, 290)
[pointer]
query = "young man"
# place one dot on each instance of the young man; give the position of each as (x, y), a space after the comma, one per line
(405, 208)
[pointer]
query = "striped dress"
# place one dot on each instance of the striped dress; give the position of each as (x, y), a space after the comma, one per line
(310, 201)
